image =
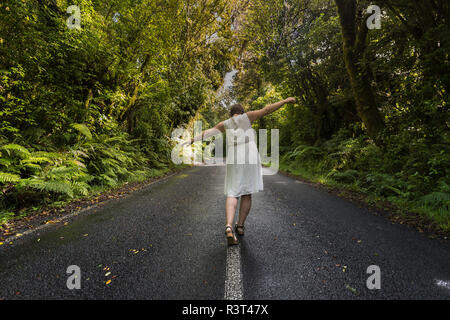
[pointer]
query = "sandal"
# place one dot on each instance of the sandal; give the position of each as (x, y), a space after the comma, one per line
(239, 229)
(230, 238)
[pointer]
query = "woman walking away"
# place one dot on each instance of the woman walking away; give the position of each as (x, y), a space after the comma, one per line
(244, 174)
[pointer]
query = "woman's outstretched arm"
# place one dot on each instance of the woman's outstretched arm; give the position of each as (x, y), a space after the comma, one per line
(258, 114)
(209, 132)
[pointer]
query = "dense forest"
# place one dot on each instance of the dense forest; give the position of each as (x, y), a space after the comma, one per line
(89, 95)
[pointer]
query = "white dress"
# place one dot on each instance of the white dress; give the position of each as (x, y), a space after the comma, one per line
(243, 163)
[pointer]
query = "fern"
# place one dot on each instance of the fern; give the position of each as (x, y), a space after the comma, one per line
(305, 152)
(33, 159)
(80, 188)
(83, 129)
(105, 179)
(32, 166)
(6, 162)
(63, 171)
(76, 163)
(8, 177)
(348, 176)
(22, 152)
(49, 155)
(436, 200)
(49, 186)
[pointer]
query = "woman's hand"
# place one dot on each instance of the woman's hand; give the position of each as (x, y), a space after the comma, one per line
(290, 100)
(258, 114)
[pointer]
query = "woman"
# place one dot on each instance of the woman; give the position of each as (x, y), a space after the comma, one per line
(243, 178)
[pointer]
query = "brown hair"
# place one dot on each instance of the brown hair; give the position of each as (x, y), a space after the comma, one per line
(236, 109)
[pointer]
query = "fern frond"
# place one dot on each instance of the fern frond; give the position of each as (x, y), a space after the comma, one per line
(6, 162)
(8, 177)
(436, 199)
(17, 149)
(80, 188)
(83, 129)
(76, 163)
(108, 180)
(49, 186)
(63, 171)
(33, 159)
(32, 166)
(45, 154)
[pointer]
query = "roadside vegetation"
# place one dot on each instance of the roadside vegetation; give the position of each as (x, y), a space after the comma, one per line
(85, 110)
(373, 112)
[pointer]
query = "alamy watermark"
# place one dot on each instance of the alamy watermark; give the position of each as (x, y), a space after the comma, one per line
(74, 21)
(240, 145)
(74, 280)
(374, 281)
(374, 21)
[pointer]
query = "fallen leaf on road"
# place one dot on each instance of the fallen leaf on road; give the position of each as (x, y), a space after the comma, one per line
(350, 288)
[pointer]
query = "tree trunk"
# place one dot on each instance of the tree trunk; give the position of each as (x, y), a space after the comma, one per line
(131, 110)
(354, 34)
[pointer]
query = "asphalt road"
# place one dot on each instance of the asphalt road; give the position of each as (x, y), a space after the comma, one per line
(167, 242)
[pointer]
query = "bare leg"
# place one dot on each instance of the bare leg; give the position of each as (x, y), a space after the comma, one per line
(230, 208)
(246, 204)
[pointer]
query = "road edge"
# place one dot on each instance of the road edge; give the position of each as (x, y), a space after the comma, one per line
(60, 219)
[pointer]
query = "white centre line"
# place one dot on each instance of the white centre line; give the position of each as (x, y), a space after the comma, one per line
(233, 277)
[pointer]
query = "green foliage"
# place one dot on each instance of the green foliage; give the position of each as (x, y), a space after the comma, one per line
(295, 48)
(16, 149)
(83, 129)
(8, 177)
(88, 109)
(399, 174)
(349, 176)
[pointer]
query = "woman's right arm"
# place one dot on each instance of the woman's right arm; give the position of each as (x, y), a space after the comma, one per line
(258, 114)
(220, 127)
